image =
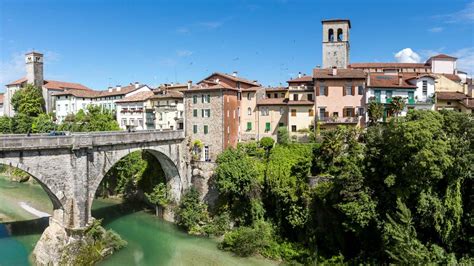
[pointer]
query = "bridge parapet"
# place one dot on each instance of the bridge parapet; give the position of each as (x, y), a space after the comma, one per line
(83, 140)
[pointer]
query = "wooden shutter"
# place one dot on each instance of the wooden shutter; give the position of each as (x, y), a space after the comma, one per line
(326, 91)
(317, 90)
(326, 114)
(343, 90)
(344, 112)
(353, 90)
(353, 112)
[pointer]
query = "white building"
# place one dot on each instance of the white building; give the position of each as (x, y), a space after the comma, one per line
(132, 111)
(424, 93)
(169, 109)
(1, 104)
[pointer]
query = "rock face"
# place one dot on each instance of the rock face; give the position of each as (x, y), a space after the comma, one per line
(49, 248)
(202, 179)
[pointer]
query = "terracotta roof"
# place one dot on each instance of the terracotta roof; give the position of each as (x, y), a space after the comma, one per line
(389, 65)
(231, 77)
(78, 93)
(252, 89)
(442, 56)
(160, 94)
(302, 79)
(54, 84)
(277, 89)
(1, 98)
(300, 103)
(337, 20)
(468, 103)
(452, 77)
(448, 95)
(378, 80)
(272, 101)
(122, 91)
(409, 77)
(341, 74)
(206, 87)
(137, 97)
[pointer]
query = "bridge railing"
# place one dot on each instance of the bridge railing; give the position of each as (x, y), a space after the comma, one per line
(86, 139)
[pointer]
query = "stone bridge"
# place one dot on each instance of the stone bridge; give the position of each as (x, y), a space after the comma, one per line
(70, 168)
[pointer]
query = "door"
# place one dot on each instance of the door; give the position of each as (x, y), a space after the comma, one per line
(411, 97)
(377, 96)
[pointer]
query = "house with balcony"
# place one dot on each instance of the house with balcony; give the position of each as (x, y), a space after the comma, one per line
(340, 97)
(301, 108)
(132, 111)
(167, 111)
(424, 98)
(272, 112)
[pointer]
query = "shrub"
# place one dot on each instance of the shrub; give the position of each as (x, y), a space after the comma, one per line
(192, 213)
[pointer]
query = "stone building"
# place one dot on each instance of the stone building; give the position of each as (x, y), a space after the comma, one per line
(336, 43)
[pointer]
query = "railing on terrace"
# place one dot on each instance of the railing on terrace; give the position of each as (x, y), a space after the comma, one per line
(339, 120)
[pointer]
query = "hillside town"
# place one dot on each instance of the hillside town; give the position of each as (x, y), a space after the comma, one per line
(224, 109)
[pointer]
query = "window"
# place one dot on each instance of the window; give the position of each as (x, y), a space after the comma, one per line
(195, 99)
(239, 96)
(281, 124)
(322, 113)
(269, 95)
(347, 90)
(132, 121)
(264, 111)
(58, 108)
(331, 35)
(310, 97)
(195, 113)
(293, 112)
(425, 87)
(293, 128)
(448, 103)
(203, 98)
(228, 113)
(195, 129)
(275, 95)
(208, 98)
(124, 121)
(267, 126)
(323, 90)
(360, 90)
(388, 96)
(377, 96)
(249, 126)
(311, 112)
(339, 35)
(206, 112)
(249, 111)
(140, 122)
(348, 112)
(295, 97)
(228, 129)
(282, 111)
(206, 129)
(361, 111)
(206, 154)
(66, 108)
(249, 96)
(335, 114)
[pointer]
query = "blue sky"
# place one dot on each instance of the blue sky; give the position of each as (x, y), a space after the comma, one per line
(101, 43)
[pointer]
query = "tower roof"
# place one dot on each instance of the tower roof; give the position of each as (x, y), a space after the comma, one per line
(336, 20)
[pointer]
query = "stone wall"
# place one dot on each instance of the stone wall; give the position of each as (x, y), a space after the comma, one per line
(202, 179)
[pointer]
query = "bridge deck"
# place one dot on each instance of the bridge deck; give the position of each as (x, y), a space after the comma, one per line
(84, 139)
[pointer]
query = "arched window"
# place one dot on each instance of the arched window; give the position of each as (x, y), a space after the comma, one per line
(249, 111)
(339, 35)
(331, 35)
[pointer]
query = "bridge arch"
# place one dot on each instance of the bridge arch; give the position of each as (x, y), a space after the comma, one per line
(38, 177)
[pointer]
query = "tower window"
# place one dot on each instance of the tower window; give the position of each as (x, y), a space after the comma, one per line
(339, 35)
(331, 35)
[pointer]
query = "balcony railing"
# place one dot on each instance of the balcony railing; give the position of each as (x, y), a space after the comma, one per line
(339, 120)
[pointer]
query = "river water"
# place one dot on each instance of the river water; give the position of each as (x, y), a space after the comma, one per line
(150, 240)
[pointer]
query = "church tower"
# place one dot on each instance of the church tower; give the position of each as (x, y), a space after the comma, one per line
(336, 43)
(34, 68)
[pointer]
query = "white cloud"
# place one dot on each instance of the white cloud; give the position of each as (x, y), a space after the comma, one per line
(407, 55)
(184, 53)
(465, 59)
(465, 15)
(436, 29)
(12, 69)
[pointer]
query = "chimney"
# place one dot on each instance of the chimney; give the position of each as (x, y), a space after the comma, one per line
(217, 81)
(190, 84)
(118, 87)
(34, 68)
(110, 89)
(334, 71)
(137, 84)
(400, 80)
(234, 74)
(299, 75)
(318, 66)
(368, 80)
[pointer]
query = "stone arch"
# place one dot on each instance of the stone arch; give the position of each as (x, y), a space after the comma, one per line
(331, 35)
(42, 181)
(340, 36)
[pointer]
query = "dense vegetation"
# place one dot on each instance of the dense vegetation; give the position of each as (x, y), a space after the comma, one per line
(31, 117)
(394, 193)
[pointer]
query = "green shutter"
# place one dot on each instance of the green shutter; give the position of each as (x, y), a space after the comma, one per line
(206, 129)
(195, 99)
(195, 129)
(195, 112)
(267, 126)
(249, 126)
(208, 98)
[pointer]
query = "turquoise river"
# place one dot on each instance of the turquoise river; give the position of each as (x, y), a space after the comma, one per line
(150, 240)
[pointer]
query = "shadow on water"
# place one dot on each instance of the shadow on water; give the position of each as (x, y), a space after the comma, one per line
(110, 213)
(23, 228)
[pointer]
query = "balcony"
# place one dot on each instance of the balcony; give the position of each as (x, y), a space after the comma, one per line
(339, 120)
(301, 88)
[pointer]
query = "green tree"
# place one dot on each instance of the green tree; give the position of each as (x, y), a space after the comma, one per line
(28, 101)
(283, 137)
(192, 213)
(42, 123)
(375, 111)
(160, 197)
(397, 105)
(21, 123)
(5, 125)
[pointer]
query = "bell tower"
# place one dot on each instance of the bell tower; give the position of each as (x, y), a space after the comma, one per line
(34, 68)
(336, 43)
